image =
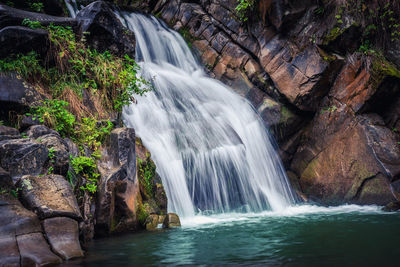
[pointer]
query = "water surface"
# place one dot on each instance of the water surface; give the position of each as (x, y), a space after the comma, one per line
(300, 236)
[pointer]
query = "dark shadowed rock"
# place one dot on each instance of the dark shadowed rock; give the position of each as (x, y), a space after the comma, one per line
(23, 156)
(37, 131)
(8, 133)
(59, 160)
(15, 95)
(54, 7)
(17, 39)
(106, 32)
(63, 236)
(49, 196)
(13, 17)
(172, 221)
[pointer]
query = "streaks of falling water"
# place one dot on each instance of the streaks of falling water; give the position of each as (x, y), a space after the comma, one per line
(209, 145)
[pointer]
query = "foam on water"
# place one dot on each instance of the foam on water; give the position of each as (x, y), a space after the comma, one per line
(303, 211)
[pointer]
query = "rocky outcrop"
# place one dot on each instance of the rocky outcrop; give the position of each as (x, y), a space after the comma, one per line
(21, 238)
(331, 111)
(362, 145)
(119, 196)
(63, 236)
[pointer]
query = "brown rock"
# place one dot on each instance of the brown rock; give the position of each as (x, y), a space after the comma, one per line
(343, 159)
(118, 194)
(151, 222)
(49, 196)
(171, 221)
(35, 251)
(63, 236)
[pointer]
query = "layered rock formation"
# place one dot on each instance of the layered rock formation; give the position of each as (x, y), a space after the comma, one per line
(331, 108)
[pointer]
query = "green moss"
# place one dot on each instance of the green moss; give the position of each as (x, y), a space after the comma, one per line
(332, 35)
(382, 68)
(141, 214)
(286, 114)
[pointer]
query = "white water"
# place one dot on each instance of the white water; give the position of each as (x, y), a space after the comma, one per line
(209, 145)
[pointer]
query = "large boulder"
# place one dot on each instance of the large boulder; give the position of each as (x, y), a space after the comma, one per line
(16, 96)
(63, 236)
(106, 32)
(23, 156)
(18, 39)
(49, 196)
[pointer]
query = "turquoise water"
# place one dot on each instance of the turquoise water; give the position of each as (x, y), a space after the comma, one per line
(299, 236)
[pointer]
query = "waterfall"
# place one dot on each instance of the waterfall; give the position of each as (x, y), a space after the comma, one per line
(210, 147)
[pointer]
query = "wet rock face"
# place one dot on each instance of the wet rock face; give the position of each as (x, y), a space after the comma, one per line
(106, 31)
(172, 221)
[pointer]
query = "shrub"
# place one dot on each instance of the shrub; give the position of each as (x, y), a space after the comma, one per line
(54, 114)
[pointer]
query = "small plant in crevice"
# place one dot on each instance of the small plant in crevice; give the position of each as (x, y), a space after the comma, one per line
(243, 8)
(52, 160)
(87, 168)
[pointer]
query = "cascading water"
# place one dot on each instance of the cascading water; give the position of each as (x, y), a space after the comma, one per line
(209, 145)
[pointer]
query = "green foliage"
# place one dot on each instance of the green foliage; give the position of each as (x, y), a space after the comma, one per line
(92, 133)
(54, 114)
(146, 173)
(87, 168)
(36, 6)
(184, 31)
(329, 109)
(141, 214)
(243, 8)
(111, 79)
(28, 66)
